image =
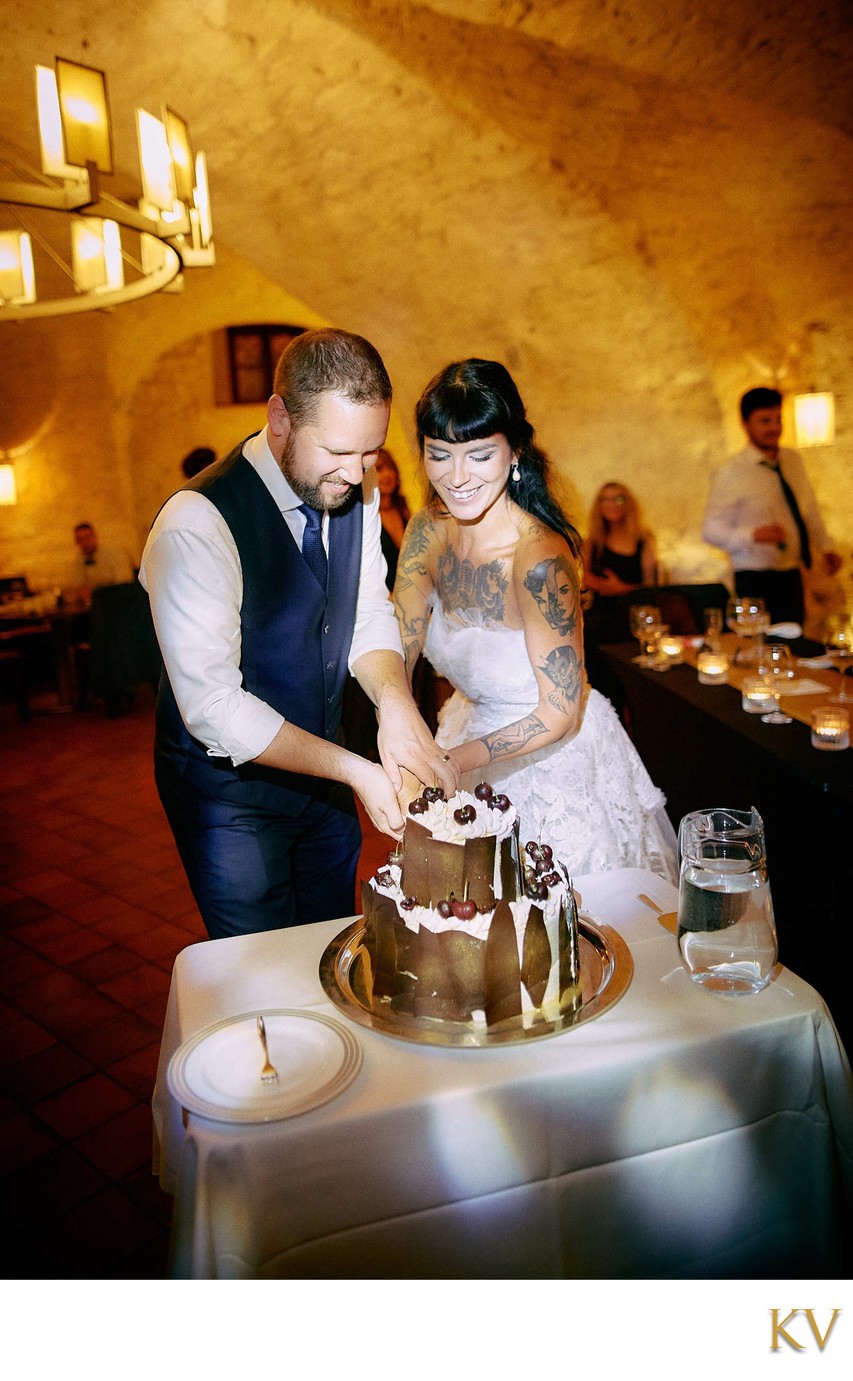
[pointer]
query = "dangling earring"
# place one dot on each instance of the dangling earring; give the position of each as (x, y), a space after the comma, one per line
(516, 473)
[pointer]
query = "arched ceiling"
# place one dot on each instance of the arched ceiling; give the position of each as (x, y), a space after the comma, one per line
(640, 207)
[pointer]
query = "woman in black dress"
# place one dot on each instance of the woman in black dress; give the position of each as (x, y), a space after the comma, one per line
(619, 556)
(619, 553)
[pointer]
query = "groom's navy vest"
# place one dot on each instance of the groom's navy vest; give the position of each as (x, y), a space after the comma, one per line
(295, 638)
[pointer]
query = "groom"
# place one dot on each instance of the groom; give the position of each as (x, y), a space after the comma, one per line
(267, 584)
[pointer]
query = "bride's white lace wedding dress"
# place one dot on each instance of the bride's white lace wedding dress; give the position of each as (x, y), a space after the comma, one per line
(590, 796)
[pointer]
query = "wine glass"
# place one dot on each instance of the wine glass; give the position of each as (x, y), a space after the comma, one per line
(713, 628)
(746, 616)
(839, 648)
(646, 627)
(776, 667)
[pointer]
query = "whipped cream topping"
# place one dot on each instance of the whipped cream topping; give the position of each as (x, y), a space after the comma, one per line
(488, 822)
(478, 926)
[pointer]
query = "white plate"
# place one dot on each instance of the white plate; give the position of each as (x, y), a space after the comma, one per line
(217, 1072)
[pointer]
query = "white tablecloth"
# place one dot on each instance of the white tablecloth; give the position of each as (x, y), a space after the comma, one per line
(680, 1134)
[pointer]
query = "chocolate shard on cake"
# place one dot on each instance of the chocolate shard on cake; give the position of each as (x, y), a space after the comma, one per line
(536, 956)
(380, 920)
(415, 881)
(570, 973)
(446, 871)
(480, 871)
(501, 976)
(512, 881)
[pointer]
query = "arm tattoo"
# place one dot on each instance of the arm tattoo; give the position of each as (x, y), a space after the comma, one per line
(553, 584)
(562, 666)
(466, 589)
(412, 556)
(514, 738)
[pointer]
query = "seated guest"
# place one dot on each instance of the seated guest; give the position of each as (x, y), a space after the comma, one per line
(619, 556)
(97, 563)
(619, 552)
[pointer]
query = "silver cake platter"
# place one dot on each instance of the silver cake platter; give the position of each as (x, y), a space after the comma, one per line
(606, 971)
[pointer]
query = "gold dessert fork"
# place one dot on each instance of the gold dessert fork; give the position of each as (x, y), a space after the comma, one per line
(269, 1071)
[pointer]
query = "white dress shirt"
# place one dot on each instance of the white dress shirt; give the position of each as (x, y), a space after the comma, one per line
(745, 495)
(191, 570)
(106, 566)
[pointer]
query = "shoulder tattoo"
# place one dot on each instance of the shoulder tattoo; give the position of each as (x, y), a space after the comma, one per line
(553, 584)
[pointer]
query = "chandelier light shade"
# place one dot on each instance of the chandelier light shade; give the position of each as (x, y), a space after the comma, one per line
(66, 245)
(814, 419)
(8, 490)
(84, 115)
(17, 274)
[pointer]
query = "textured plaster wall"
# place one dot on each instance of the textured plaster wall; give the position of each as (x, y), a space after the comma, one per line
(641, 209)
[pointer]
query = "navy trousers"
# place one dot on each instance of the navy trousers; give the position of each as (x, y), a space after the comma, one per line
(252, 869)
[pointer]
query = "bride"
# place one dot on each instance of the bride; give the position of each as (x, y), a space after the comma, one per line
(487, 588)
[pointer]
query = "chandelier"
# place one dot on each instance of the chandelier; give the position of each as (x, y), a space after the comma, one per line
(66, 245)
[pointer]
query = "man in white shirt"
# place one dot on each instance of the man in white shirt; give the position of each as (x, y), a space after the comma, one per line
(267, 582)
(97, 564)
(762, 510)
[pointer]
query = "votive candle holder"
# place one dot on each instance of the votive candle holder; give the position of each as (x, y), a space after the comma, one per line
(756, 696)
(712, 668)
(830, 729)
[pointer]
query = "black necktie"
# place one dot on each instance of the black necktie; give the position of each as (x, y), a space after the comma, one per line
(312, 543)
(791, 501)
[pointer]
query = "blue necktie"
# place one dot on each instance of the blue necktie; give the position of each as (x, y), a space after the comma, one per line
(312, 543)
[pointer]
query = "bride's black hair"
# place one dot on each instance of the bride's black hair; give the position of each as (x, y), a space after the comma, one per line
(475, 398)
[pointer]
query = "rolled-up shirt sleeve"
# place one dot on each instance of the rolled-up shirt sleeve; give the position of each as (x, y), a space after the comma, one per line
(376, 628)
(191, 571)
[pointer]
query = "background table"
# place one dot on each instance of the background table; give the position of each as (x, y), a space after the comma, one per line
(702, 750)
(679, 1134)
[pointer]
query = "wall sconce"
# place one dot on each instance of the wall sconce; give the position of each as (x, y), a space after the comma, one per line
(814, 419)
(8, 489)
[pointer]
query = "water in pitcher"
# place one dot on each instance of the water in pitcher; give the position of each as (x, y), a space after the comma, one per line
(726, 928)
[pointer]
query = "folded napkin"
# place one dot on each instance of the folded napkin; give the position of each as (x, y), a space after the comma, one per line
(815, 663)
(804, 686)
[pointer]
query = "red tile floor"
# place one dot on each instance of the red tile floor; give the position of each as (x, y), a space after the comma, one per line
(94, 908)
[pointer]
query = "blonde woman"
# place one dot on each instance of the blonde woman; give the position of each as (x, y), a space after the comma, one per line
(619, 554)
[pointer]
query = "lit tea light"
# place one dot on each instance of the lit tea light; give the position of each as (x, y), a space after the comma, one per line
(713, 668)
(757, 697)
(830, 729)
(671, 648)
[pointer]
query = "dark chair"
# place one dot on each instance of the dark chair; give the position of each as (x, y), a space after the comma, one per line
(13, 587)
(15, 670)
(682, 606)
(124, 650)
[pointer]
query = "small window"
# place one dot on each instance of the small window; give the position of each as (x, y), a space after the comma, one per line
(253, 353)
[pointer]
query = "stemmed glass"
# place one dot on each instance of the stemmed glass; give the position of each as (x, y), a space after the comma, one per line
(713, 628)
(776, 667)
(746, 616)
(646, 627)
(839, 648)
